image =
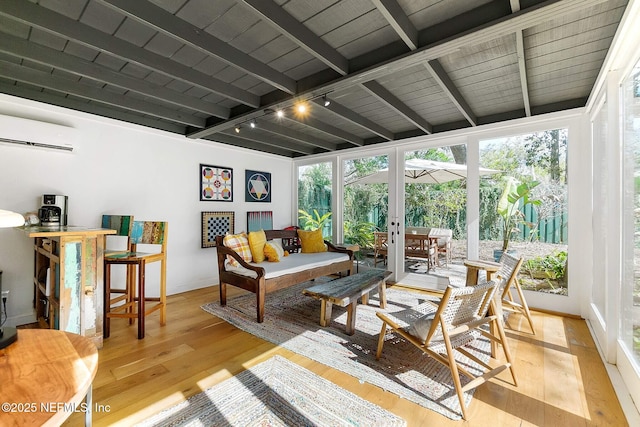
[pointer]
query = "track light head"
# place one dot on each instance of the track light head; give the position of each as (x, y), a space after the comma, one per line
(280, 113)
(237, 128)
(326, 100)
(252, 123)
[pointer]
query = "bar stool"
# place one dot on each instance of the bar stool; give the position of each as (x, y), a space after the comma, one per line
(122, 224)
(134, 306)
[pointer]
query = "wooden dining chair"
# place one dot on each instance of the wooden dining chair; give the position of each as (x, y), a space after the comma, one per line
(380, 247)
(442, 329)
(508, 273)
(134, 304)
(443, 243)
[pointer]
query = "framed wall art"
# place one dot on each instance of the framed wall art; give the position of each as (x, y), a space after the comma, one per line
(216, 224)
(258, 186)
(259, 220)
(216, 183)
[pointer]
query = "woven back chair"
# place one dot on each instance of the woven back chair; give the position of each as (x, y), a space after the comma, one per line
(442, 329)
(508, 274)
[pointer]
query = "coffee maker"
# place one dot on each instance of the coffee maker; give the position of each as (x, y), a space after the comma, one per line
(53, 211)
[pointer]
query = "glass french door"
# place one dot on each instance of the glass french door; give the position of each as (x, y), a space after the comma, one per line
(365, 210)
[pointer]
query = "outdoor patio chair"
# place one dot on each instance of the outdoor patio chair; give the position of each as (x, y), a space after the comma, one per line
(508, 273)
(444, 235)
(380, 247)
(442, 329)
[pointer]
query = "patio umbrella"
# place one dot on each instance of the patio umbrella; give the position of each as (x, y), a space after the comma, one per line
(422, 171)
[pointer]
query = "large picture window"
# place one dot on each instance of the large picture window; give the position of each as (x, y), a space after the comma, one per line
(630, 294)
(523, 209)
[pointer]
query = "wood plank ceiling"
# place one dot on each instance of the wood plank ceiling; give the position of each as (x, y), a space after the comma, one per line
(391, 69)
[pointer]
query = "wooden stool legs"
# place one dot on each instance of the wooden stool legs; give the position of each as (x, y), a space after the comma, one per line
(134, 306)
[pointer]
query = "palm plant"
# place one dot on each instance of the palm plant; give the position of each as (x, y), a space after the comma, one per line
(315, 221)
(514, 196)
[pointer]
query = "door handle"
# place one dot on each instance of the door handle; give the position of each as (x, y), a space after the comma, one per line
(392, 232)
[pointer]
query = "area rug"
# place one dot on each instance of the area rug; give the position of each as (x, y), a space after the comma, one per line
(276, 392)
(292, 321)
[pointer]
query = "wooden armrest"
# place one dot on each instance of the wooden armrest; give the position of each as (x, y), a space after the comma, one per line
(332, 248)
(226, 251)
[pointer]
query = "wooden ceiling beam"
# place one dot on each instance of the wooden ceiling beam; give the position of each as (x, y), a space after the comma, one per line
(256, 136)
(357, 119)
(94, 108)
(326, 128)
(298, 33)
(380, 92)
(59, 84)
(450, 89)
(522, 62)
(249, 144)
(295, 135)
(159, 19)
(399, 21)
(47, 20)
(22, 48)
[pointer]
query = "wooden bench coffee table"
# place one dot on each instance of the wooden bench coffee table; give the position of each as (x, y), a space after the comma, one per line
(345, 292)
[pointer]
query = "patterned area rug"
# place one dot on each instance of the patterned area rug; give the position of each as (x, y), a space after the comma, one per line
(276, 392)
(292, 321)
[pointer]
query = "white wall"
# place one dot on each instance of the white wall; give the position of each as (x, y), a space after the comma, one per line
(120, 168)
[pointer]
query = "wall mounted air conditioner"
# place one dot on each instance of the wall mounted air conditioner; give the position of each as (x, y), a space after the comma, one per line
(35, 134)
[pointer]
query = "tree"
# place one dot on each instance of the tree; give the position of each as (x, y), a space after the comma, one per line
(547, 151)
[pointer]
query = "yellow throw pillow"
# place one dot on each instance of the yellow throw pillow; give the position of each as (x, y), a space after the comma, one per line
(273, 251)
(240, 244)
(312, 241)
(257, 240)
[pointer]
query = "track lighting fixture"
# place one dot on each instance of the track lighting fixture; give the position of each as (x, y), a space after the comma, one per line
(280, 113)
(252, 123)
(326, 101)
(237, 129)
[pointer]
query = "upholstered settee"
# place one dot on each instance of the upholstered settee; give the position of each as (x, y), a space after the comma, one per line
(264, 277)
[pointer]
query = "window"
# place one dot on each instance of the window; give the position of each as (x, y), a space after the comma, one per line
(630, 293)
(523, 209)
(315, 197)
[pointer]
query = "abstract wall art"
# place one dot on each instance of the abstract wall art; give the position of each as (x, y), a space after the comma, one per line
(258, 188)
(216, 183)
(259, 220)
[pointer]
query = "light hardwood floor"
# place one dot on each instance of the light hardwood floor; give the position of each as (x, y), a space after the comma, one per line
(562, 380)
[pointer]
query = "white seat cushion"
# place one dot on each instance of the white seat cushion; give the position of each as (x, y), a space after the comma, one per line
(293, 263)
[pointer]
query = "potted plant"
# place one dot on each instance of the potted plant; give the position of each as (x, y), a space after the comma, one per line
(514, 197)
(315, 221)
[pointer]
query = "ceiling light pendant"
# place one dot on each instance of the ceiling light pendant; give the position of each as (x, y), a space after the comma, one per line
(327, 102)
(237, 129)
(301, 108)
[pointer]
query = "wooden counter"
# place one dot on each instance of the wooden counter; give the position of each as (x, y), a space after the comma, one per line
(68, 278)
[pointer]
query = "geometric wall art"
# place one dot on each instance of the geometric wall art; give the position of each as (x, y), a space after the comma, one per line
(259, 220)
(216, 224)
(258, 186)
(216, 183)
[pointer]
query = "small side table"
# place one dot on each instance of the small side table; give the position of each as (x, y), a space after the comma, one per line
(351, 247)
(474, 267)
(490, 267)
(45, 376)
